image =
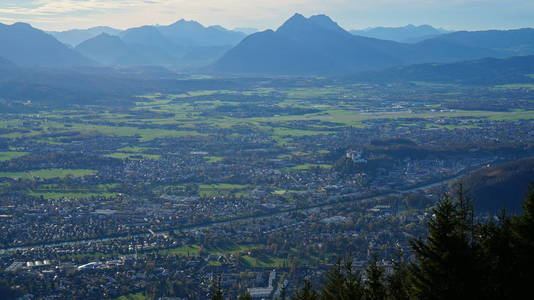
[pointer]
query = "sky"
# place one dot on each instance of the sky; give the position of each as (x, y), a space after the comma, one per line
(264, 14)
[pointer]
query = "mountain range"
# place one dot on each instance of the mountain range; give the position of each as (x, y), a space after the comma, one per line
(405, 34)
(30, 47)
(317, 45)
(301, 46)
(184, 44)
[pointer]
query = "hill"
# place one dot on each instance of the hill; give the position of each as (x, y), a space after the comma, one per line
(109, 50)
(405, 34)
(500, 187)
(26, 46)
(319, 46)
(76, 36)
(149, 42)
(488, 71)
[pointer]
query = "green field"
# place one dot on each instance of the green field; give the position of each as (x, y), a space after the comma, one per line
(309, 166)
(4, 156)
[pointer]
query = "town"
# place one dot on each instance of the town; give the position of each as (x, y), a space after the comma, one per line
(255, 188)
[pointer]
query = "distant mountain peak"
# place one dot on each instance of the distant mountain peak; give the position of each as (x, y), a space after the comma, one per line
(217, 27)
(299, 23)
(22, 25)
(326, 22)
(189, 24)
(297, 16)
(297, 20)
(105, 35)
(322, 17)
(25, 45)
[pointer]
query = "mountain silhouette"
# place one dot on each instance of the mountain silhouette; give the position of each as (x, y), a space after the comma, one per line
(27, 46)
(150, 43)
(76, 36)
(305, 45)
(319, 46)
(110, 50)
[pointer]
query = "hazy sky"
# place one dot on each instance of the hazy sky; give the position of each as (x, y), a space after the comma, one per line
(262, 14)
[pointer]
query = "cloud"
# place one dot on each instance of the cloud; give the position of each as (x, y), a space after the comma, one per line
(59, 7)
(266, 13)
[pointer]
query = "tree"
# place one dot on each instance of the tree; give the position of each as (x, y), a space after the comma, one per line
(245, 296)
(216, 292)
(500, 263)
(374, 286)
(353, 288)
(446, 262)
(306, 293)
(335, 281)
(342, 283)
(398, 281)
(523, 244)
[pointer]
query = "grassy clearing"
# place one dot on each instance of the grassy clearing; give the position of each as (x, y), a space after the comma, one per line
(516, 86)
(48, 173)
(132, 149)
(143, 134)
(264, 261)
(136, 296)
(284, 192)
(214, 159)
(233, 248)
(4, 156)
(310, 166)
(181, 251)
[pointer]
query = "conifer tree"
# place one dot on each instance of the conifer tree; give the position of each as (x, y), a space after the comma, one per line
(217, 293)
(333, 287)
(374, 285)
(245, 296)
(306, 293)
(398, 281)
(498, 258)
(446, 266)
(353, 288)
(523, 239)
